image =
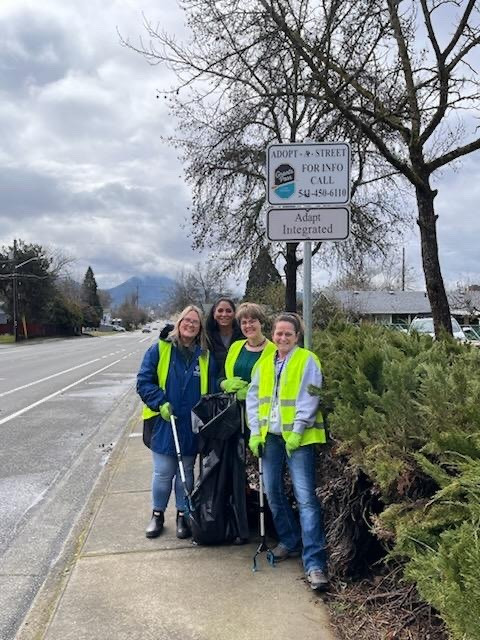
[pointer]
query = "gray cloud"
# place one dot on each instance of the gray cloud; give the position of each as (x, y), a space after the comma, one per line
(82, 164)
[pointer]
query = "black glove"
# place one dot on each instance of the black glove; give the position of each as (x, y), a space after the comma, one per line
(164, 333)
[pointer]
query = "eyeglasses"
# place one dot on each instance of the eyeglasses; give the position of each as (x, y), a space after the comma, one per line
(193, 323)
(249, 322)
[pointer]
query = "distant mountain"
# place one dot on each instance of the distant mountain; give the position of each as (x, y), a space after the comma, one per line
(151, 290)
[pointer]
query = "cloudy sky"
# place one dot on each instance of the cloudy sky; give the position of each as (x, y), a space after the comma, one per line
(82, 164)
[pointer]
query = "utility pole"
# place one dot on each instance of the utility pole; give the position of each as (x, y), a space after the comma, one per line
(403, 269)
(14, 291)
(14, 287)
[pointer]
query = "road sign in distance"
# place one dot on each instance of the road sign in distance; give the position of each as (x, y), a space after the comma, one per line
(295, 225)
(304, 174)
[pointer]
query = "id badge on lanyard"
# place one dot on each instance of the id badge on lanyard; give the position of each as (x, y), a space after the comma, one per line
(274, 409)
(274, 414)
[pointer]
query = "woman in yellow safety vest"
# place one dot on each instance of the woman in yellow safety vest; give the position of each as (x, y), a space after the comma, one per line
(285, 421)
(244, 355)
(173, 376)
(242, 359)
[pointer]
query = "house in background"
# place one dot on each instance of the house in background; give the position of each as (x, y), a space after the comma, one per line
(400, 307)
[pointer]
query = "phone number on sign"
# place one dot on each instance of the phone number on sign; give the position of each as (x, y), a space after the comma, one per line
(319, 193)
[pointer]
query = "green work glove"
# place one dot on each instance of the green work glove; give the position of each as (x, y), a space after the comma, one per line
(253, 444)
(166, 411)
(242, 393)
(293, 443)
(231, 385)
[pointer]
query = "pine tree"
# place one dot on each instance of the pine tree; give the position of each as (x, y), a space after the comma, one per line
(263, 275)
(92, 309)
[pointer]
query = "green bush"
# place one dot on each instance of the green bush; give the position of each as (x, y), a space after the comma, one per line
(406, 410)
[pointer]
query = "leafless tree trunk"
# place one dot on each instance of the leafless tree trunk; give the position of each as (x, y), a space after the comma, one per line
(240, 88)
(381, 65)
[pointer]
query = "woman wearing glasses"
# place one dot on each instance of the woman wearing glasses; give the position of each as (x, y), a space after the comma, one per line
(244, 355)
(242, 359)
(174, 374)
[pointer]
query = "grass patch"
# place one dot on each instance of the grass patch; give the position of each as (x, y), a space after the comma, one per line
(99, 334)
(6, 339)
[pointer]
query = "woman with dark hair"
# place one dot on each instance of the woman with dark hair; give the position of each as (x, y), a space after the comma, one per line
(222, 329)
(174, 374)
(286, 422)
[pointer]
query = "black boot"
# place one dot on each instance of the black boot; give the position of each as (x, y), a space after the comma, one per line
(155, 526)
(183, 526)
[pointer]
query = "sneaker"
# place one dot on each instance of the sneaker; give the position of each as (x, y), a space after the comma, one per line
(317, 579)
(280, 552)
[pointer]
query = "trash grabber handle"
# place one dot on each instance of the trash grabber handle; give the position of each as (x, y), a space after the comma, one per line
(178, 451)
(261, 499)
(263, 543)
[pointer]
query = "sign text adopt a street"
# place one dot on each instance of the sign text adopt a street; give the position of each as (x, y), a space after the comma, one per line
(307, 174)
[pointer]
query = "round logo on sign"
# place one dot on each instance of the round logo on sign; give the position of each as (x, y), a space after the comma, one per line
(284, 181)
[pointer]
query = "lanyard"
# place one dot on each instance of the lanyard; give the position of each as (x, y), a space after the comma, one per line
(278, 375)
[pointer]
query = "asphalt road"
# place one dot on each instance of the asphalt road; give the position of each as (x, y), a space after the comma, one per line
(64, 404)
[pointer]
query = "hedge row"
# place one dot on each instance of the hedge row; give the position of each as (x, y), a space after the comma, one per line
(405, 411)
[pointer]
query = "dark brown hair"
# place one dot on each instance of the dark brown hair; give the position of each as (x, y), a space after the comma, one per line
(293, 318)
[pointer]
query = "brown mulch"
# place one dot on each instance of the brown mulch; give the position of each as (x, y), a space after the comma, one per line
(367, 599)
(382, 609)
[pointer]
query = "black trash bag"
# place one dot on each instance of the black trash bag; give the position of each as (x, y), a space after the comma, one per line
(218, 499)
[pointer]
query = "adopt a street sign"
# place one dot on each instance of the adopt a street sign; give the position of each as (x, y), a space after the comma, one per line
(296, 225)
(306, 174)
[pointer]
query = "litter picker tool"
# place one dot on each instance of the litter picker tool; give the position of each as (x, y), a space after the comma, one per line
(263, 540)
(180, 464)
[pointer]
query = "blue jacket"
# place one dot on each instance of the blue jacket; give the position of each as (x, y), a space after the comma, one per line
(182, 392)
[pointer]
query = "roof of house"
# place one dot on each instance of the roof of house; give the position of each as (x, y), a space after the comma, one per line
(401, 302)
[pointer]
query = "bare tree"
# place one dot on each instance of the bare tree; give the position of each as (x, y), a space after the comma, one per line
(387, 67)
(200, 286)
(383, 274)
(239, 88)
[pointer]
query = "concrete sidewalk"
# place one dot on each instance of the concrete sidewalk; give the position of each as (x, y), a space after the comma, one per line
(122, 586)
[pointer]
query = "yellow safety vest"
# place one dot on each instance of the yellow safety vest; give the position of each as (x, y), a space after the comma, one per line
(234, 352)
(164, 355)
(290, 383)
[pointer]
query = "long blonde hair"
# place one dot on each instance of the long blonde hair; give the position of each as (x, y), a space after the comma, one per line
(200, 338)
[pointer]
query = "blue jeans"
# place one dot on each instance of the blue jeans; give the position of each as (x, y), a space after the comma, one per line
(165, 468)
(310, 533)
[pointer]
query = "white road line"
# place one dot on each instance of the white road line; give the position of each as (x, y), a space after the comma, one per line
(52, 395)
(54, 375)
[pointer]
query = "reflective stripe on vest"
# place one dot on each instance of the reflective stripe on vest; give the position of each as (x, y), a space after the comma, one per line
(290, 384)
(234, 352)
(164, 356)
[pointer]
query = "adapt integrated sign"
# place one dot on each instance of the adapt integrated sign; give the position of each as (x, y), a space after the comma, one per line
(294, 225)
(305, 174)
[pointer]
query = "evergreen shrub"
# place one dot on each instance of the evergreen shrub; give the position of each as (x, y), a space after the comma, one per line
(405, 410)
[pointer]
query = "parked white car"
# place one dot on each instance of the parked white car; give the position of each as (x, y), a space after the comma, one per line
(425, 325)
(472, 335)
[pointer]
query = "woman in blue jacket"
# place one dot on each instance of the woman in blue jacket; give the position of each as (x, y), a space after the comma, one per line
(174, 374)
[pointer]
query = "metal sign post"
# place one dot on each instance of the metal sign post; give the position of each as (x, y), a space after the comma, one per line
(308, 195)
(307, 292)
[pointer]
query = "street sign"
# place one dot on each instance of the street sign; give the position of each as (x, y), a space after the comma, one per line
(306, 174)
(295, 225)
